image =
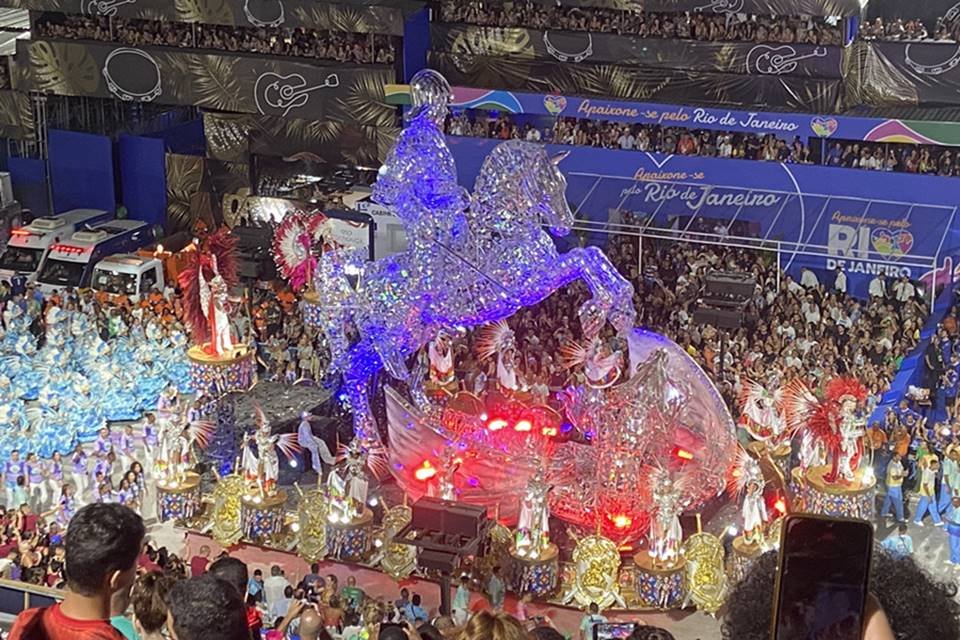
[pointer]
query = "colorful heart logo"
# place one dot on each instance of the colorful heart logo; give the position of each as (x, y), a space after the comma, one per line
(891, 243)
(555, 104)
(824, 127)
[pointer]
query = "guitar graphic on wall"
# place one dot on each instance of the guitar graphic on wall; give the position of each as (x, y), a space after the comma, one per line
(274, 92)
(777, 61)
(722, 6)
(103, 7)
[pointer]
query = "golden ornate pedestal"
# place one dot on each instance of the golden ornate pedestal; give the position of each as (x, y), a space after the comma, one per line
(399, 559)
(856, 499)
(743, 556)
(538, 576)
(312, 518)
(657, 586)
(351, 540)
(179, 502)
(262, 518)
(225, 513)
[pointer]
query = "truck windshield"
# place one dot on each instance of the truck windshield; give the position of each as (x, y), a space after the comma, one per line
(113, 282)
(21, 259)
(61, 273)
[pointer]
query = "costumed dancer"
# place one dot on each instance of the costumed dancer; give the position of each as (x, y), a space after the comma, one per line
(748, 483)
(665, 532)
(126, 447)
(440, 355)
(952, 517)
(168, 404)
(602, 366)
(319, 452)
(262, 469)
(206, 283)
(12, 469)
(54, 473)
(762, 414)
(79, 469)
(927, 490)
(894, 497)
(347, 486)
(150, 430)
(67, 505)
(36, 482)
(834, 421)
(178, 440)
(533, 528)
(498, 339)
(103, 445)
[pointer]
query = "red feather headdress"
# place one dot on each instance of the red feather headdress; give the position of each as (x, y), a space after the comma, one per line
(222, 245)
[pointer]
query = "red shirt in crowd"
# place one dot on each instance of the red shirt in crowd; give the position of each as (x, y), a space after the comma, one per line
(198, 565)
(50, 623)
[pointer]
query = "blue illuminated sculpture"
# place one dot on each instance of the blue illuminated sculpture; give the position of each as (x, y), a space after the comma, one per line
(469, 261)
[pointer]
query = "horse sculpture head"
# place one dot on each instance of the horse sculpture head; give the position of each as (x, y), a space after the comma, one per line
(521, 180)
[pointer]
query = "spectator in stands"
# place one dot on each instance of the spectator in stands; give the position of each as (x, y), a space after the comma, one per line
(414, 613)
(206, 608)
(102, 545)
(352, 595)
(149, 600)
(275, 585)
(234, 572)
(906, 598)
(645, 24)
(485, 625)
(200, 562)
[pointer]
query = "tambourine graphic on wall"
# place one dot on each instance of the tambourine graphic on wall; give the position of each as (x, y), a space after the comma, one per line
(268, 13)
(132, 75)
(567, 56)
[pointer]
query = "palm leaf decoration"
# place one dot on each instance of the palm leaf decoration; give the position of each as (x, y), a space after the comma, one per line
(365, 102)
(184, 179)
(204, 11)
(215, 83)
(309, 132)
(64, 69)
(619, 82)
(348, 19)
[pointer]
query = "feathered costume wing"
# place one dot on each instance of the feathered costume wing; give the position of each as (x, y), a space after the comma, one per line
(821, 417)
(492, 338)
(376, 457)
(293, 243)
(751, 400)
(222, 245)
(746, 469)
(200, 432)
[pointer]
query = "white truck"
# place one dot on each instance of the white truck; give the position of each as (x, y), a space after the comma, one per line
(29, 245)
(70, 263)
(128, 274)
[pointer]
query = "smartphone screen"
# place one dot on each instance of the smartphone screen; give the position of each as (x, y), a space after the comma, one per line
(822, 582)
(612, 630)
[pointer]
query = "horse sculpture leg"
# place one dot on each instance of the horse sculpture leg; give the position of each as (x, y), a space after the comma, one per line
(611, 294)
(363, 364)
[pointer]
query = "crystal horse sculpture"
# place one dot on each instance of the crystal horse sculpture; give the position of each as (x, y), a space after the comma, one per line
(469, 260)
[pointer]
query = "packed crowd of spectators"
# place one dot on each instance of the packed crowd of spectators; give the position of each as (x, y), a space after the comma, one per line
(605, 134)
(805, 329)
(355, 48)
(705, 26)
(616, 135)
(904, 158)
(910, 30)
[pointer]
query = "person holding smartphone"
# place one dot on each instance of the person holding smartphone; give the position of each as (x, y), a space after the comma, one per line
(592, 619)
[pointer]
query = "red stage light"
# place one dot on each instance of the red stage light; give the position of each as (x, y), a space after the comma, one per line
(780, 505)
(550, 432)
(683, 454)
(496, 424)
(523, 426)
(621, 521)
(425, 471)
